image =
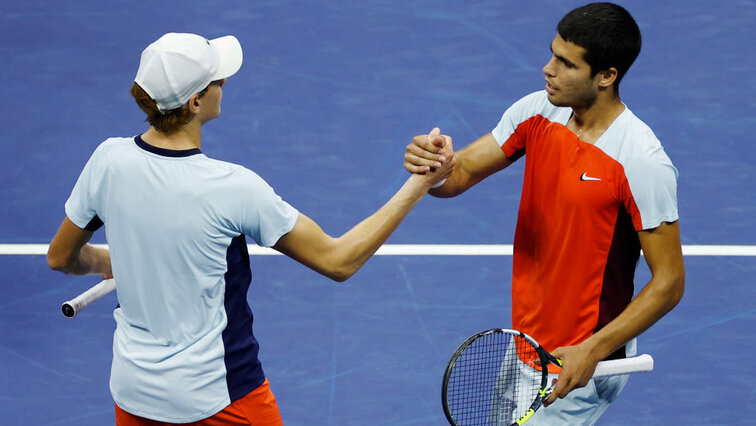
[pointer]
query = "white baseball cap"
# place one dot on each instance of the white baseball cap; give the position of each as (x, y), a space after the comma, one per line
(178, 65)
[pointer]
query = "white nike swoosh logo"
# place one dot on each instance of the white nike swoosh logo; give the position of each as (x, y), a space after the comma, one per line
(586, 177)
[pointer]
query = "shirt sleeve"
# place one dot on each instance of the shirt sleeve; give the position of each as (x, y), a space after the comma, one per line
(512, 131)
(653, 188)
(82, 205)
(265, 216)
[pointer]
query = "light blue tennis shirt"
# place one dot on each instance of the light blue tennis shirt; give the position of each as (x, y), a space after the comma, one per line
(175, 221)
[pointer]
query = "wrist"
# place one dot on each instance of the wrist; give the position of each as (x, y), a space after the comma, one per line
(597, 348)
(439, 184)
(426, 182)
(419, 181)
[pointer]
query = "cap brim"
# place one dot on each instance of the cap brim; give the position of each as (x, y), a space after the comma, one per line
(229, 56)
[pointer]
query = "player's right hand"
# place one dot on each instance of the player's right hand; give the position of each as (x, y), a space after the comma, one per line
(428, 152)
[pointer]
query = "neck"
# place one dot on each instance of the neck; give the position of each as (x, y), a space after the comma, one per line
(590, 123)
(188, 137)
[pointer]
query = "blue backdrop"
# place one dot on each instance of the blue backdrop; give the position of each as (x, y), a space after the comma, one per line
(329, 95)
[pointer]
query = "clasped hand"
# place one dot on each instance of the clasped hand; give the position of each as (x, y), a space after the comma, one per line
(430, 152)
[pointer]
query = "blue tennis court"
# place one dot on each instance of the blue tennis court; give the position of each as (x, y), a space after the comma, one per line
(329, 95)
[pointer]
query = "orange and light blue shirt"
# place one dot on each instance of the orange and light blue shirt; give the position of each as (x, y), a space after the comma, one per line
(576, 242)
(176, 221)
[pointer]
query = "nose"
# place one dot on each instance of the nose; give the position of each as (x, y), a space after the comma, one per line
(548, 69)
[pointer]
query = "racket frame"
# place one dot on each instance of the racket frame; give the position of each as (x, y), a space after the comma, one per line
(544, 357)
(635, 364)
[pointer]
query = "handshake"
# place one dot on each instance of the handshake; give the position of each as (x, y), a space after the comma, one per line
(432, 156)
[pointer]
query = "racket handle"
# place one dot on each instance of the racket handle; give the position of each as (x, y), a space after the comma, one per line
(637, 364)
(75, 305)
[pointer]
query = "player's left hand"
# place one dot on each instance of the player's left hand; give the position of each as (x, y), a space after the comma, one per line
(578, 365)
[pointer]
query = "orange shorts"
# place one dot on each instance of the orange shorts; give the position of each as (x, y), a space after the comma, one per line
(257, 408)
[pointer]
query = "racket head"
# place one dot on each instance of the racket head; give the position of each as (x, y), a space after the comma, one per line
(494, 377)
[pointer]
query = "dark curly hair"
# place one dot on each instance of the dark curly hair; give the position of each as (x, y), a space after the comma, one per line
(607, 32)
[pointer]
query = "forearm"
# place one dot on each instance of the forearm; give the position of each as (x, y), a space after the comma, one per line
(89, 260)
(474, 163)
(339, 258)
(452, 186)
(464, 176)
(357, 245)
(659, 297)
(663, 254)
(69, 252)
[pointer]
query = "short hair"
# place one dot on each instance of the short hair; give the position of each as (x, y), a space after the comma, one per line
(607, 32)
(167, 122)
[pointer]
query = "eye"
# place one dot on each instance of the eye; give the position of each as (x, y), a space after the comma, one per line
(567, 63)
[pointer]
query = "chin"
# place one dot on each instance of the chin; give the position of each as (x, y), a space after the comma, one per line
(556, 102)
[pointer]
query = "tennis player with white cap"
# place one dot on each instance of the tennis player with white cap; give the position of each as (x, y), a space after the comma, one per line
(176, 66)
(184, 350)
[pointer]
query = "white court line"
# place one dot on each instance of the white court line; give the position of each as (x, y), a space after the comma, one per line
(427, 250)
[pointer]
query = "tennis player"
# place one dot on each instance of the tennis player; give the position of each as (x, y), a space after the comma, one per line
(183, 349)
(598, 188)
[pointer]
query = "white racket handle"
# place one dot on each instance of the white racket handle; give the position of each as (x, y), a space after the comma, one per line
(614, 367)
(75, 305)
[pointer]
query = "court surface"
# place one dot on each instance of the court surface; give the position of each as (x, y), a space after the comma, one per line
(329, 95)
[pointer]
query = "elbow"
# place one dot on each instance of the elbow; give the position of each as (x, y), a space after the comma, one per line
(58, 262)
(332, 268)
(675, 289)
(679, 288)
(339, 278)
(340, 263)
(340, 269)
(340, 274)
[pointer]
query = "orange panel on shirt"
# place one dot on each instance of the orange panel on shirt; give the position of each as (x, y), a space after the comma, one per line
(573, 232)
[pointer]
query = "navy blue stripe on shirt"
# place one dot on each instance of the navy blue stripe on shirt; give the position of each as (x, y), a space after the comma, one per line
(617, 290)
(94, 224)
(243, 370)
(165, 152)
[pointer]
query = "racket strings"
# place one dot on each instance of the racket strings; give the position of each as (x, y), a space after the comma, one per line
(493, 381)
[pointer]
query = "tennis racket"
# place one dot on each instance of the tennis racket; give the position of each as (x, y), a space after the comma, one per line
(500, 377)
(74, 306)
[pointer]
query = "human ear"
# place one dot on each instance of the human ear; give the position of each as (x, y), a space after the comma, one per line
(194, 103)
(607, 77)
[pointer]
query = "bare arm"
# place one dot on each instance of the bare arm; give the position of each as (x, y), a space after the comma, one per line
(339, 258)
(663, 253)
(474, 163)
(69, 252)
